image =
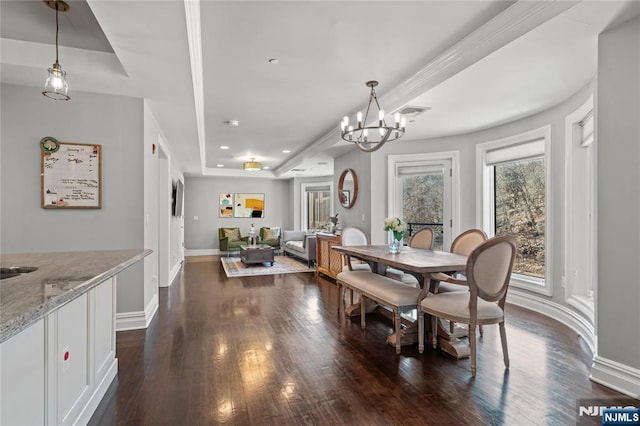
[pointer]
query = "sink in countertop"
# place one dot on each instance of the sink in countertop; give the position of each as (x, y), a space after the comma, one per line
(14, 271)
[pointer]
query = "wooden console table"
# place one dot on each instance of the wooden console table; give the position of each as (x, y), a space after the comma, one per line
(329, 262)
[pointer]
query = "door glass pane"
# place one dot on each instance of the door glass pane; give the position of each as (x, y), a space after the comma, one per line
(318, 209)
(422, 201)
(520, 211)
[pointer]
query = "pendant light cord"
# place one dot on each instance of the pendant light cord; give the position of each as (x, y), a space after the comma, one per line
(56, 31)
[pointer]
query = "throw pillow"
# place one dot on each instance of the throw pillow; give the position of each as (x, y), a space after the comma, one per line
(233, 234)
(270, 234)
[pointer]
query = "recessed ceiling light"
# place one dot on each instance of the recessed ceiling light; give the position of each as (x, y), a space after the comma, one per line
(220, 165)
(273, 61)
(266, 167)
(322, 163)
(224, 147)
(286, 151)
(232, 123)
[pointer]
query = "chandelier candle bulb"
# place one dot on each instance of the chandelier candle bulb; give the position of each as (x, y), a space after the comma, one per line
(381, 120)
(397, 119)
(359, 118)
(365, 133)
(403, 123)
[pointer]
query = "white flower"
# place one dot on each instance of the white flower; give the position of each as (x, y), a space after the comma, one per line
(393, 224)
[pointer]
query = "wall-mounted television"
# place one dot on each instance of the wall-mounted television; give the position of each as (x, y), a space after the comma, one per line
(178, 198)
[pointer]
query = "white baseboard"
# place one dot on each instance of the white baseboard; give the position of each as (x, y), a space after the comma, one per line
(137, 320)
(616, 376)
(101, 389)
(173, 273)
(201, 252)
(553, 310)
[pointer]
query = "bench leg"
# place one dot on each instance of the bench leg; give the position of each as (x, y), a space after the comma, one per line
(362, 312)
(340, 296)
(434, 331)
(420, 331)
(398, 323)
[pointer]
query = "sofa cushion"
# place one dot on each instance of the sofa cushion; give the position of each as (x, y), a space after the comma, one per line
(293, 235)
(295, 246)
(233, 234)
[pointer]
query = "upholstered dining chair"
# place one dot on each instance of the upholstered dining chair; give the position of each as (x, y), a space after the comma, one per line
(463, 245)
(488, 273)
(352, 236)
(422, 239)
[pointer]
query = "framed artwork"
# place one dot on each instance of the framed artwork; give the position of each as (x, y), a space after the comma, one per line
(70, 175)
(248, 205)
(226, 204)
(345, 197)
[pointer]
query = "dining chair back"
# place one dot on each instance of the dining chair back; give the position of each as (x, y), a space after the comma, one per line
(352, 236)
(466, 242)
(422, 239)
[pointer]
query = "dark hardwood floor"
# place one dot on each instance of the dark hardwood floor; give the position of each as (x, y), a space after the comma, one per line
(272, 350)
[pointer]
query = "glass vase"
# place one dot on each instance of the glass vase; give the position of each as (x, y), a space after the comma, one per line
(394, 244)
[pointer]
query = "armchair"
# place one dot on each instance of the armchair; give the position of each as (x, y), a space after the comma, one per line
(230, 239)
(269, 236)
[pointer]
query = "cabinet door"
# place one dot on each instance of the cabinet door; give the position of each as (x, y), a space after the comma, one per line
(103, 304)
(71, 358)
(22, 361)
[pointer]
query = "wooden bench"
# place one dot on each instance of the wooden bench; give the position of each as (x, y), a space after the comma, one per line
(382, 290)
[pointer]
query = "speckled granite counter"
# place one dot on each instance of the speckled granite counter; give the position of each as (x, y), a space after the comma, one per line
(60, 278)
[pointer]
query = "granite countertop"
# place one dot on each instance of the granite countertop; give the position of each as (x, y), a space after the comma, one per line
(60, 278)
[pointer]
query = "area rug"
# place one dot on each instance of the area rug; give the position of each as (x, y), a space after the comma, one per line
(234, 267)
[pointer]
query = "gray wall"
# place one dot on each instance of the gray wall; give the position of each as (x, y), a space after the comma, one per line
(115, 122)
(618, 135)
(360, 162)
(202, 198)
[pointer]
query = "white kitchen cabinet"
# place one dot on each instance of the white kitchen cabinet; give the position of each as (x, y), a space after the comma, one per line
(56, 371)
(22, 368)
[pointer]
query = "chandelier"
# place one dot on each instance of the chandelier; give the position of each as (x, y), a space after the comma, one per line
(252, 166)
(371, 138)
(56, 85)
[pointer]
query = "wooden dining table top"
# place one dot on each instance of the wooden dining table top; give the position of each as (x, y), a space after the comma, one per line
(417, 260)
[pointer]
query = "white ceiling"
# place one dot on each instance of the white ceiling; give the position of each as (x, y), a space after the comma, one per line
(200, 64)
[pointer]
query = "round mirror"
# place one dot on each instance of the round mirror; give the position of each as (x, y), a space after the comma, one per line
(348, 188)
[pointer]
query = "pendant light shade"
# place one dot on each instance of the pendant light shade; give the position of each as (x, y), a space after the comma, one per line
(56, 86)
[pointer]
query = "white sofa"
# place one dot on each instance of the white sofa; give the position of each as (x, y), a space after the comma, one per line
(300, 244)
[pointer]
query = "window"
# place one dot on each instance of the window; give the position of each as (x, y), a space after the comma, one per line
(317, 203)
(580, 225)
(514, 178)
(421, 193)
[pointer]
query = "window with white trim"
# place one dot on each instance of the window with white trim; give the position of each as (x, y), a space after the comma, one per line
(317, 205)
(515, 201)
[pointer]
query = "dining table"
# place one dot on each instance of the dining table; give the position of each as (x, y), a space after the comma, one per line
(421, 263)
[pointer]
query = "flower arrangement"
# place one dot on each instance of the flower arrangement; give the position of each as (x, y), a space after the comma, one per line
(334, 219)
(395, 225)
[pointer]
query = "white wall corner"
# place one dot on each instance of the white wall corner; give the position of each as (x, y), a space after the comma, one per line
(137, 320)
(616, 376)
(555, 311)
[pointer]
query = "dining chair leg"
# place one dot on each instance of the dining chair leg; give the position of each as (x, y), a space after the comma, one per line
(503, 338)
(398, 324)
(340, 299)
(362, 312)
(472, 345)
(434, 331)
(420, 331)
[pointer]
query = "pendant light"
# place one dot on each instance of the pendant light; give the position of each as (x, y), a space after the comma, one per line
(56, 85)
